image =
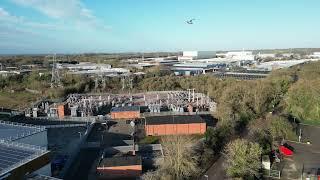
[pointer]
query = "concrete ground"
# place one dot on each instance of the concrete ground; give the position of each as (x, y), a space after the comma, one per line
(62, 141)
(306, 156)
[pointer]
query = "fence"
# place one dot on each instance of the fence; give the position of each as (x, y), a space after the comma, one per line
(274, 174)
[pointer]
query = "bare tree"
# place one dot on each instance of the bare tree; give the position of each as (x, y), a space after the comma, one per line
(180, 160)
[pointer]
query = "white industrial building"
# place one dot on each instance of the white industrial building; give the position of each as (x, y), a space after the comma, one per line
(196, 68)
(87, 68)
(84, 66)
(266, 55)
(240, 56)
(271, 65)
(194, 55)
(315, 55)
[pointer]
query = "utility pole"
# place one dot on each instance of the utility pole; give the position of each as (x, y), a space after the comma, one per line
(55, 76)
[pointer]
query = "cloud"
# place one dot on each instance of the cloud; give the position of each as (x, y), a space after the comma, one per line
(7, 17)
(65, 10)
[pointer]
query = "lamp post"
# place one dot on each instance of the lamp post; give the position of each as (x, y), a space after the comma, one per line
(80, 134)
(206, 176)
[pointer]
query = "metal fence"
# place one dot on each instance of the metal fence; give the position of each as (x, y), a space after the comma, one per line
(274, 174)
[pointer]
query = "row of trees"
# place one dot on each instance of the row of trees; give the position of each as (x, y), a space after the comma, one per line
(257, 110)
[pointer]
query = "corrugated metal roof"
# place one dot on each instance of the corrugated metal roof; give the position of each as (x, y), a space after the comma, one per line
(125, 108)
(180, 119)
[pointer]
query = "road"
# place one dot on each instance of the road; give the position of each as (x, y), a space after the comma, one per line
(217, 170)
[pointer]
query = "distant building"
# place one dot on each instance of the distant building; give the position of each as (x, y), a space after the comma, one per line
(271, 65)
(87, 68)
(263, 56)
(287, 55)
(315, 55)
(121, 167)
(196, 68)
(240, 55)
(125, 112)
(194, 55)
(174, 125)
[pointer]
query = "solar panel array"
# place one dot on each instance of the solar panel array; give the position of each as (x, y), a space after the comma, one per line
(12, 131)
(13, 154)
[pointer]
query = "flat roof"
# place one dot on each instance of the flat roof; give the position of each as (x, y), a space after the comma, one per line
(179, 119)
(13, 155)
(11, 131)
(125, 108)
(120, 161)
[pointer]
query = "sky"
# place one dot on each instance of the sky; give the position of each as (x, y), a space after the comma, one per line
(105, 26)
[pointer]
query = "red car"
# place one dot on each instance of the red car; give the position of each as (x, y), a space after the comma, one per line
(286, 149)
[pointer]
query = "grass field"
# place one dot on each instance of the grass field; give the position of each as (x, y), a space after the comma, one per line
(17, 100)
(312, 122)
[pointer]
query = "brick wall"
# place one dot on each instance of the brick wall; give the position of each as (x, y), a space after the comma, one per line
(61, 111)
(125, 115)
(120, 171)
(175, 129)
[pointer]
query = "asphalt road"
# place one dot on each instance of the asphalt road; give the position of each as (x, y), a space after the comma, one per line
(217, 170)
(306, 156)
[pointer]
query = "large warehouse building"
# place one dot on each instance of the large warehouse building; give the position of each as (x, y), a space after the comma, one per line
(174, 125)
(23, 149)
(194, 55)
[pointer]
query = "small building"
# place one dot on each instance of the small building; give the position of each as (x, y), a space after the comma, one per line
(121, 167)
(125, 112)
(174, 125)
(59, 110)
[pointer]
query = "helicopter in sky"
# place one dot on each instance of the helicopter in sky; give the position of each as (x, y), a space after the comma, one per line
(190, 21)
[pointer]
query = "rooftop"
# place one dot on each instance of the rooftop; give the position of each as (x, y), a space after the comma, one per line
(11, 131)
(125, 108)
(13, 155)
(120, 161)
(179, 119)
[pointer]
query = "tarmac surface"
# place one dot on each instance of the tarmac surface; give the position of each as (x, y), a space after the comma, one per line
(306, 157)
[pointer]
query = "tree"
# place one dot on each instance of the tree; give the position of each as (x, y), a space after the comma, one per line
(215, 137)
(303, 100)
(243, 158)
(180, 160)
(280, 128)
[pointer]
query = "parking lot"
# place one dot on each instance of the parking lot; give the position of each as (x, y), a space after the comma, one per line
(306, 158)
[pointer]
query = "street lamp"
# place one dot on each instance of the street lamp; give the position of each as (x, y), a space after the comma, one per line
(80, 134)
(206, 176)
